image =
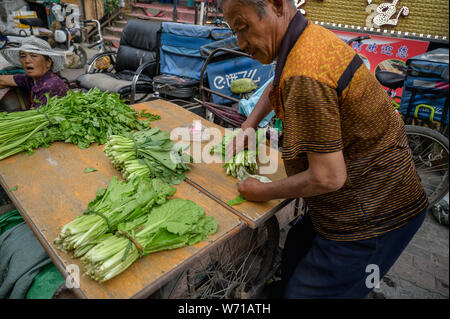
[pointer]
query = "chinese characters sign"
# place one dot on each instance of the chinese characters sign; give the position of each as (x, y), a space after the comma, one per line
(384, 53)
(378, 50)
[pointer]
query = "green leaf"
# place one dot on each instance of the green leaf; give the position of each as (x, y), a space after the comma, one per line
(13, 188)
(150, 116)
(89, 170)
(238, 200)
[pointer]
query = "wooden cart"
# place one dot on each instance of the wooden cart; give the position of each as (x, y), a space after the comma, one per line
(53, 189)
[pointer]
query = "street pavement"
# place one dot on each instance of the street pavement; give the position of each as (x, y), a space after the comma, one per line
(421, 272)
(72, 74)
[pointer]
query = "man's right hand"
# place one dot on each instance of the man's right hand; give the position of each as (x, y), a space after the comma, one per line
(261, 109)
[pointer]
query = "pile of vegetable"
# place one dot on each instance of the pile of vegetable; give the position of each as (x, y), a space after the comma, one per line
(243, 164)
(177, 223)
(246, 158)
(148, 153)
(130, 220)
(78, 118)
(119, 202)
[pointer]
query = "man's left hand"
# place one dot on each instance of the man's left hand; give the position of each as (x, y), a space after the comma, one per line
(254, 190)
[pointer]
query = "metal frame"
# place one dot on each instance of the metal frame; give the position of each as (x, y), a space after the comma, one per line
(202, 88)
(137, 74)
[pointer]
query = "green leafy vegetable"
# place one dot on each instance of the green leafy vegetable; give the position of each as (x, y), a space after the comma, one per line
(119, 202)
(77, 118)
(89, 170)
(149, 116)
(246, 158)
(148, 153)
(174, 224)
(238, 200)
(13, 188)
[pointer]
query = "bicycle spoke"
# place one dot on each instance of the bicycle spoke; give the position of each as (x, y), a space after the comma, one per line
(433, 169)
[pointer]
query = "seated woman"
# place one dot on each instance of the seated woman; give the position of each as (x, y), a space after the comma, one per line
(40, 64)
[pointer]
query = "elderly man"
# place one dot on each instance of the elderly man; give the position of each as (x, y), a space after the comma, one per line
(345, 152)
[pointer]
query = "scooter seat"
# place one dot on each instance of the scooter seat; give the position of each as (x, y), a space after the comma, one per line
(33, 22)
(389, 79)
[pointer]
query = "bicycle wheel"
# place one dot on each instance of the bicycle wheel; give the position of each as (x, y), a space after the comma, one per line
(237, 269)
(430, 154)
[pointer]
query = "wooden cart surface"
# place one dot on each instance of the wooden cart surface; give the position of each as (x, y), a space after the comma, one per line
(211, 177)
(52, 189)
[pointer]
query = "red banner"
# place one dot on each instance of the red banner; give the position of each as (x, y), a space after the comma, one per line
(384, 52)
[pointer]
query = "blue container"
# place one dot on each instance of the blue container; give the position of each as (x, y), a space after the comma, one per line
(425, 90)
(222, 73)
(180, 48)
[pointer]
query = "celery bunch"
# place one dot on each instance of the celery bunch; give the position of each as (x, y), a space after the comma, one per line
(77, 118)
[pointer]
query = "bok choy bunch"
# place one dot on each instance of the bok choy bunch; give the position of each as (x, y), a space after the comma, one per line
(174, 224)
(148, 153)
(246, 158)
(119, 202)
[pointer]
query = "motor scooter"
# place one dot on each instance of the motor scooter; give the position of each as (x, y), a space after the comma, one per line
(64, 35)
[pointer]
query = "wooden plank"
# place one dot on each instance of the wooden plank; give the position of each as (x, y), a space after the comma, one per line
(53, 189)
(211, 177)
(93, 9)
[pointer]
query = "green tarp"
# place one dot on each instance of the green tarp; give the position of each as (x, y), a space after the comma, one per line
(26, 271)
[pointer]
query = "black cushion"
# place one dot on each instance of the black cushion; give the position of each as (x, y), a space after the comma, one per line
(175, 80)
(389, 79)
(129, 58)
(142, 34)
(139, 43)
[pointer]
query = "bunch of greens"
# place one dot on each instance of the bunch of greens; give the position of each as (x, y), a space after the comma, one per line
(78, 118)
(148, 153)
(246, 158)
(174, 224)
(120, 201)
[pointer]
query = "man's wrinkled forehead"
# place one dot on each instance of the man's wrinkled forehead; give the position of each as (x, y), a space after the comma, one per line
(237, 13)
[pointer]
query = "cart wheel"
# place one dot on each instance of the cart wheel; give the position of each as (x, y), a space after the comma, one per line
(237, 269)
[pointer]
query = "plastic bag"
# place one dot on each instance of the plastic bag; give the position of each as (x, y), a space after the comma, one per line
(247, 106)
